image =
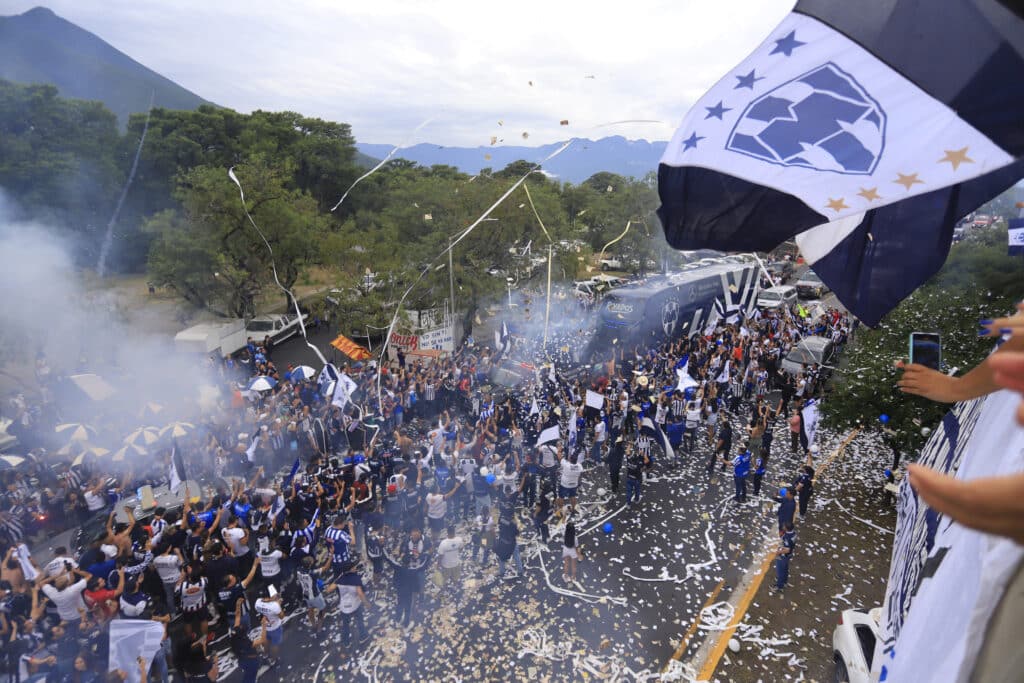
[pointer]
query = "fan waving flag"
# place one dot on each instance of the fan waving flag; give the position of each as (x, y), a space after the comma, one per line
(864, 129)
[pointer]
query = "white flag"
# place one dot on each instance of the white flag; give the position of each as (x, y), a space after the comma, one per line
(594, 400)
(549, 434)
(343, 390)
(685, 381)
(810, 415)
(131, 639)
(534, 408)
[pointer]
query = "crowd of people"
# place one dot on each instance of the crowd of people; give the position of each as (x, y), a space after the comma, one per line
(294, 501)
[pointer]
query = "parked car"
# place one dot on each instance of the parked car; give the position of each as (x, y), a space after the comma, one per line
(776, 297)
(276, 326)
(611, 263)
(853, 645)
(810, 286)
(808, 351)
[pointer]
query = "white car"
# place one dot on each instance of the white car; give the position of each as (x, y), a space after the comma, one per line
(781, 296)
(611, 263)
(853, 645)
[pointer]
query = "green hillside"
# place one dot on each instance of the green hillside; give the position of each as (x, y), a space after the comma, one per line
(40, 47)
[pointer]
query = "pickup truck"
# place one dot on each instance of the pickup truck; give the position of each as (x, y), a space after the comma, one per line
(276, 326)
(227, 337)
(611, 263)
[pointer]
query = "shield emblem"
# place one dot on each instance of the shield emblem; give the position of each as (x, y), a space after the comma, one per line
(823, 120)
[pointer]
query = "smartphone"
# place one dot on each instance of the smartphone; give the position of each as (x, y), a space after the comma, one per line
(926, 349)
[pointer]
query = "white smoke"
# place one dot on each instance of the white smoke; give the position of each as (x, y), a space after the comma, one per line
(49, 311)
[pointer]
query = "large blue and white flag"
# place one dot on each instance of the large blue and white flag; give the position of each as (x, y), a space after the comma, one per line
(863, 129)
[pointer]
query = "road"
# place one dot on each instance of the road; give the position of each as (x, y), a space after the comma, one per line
(639, 589)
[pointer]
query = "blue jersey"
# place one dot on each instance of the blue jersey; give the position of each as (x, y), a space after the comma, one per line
(741, 465)
(340, 539)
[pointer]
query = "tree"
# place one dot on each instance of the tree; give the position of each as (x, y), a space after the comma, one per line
(210, 253)
(978, 281)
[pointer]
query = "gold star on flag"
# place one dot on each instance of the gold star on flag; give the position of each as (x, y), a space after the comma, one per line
(956, 157)
(836, 205)
(869, 193)
(908, 180)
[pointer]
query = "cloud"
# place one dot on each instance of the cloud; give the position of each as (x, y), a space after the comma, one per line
(386, 66)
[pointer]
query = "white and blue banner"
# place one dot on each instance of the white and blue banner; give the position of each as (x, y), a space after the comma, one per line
(863, 143)
(945, 580)
(1016, 237)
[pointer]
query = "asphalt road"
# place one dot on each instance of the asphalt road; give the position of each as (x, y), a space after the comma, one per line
(642, 585)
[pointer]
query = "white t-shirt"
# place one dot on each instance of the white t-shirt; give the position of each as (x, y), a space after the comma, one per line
(271, 609)
(692, 418)
(55, 567)
(436, 506)
(67, 601)
(168, 567)
(95, 501)
(548, 456)
(270, 564)
(571, 474)
(600, 434)
(448, 552)
(234, 537)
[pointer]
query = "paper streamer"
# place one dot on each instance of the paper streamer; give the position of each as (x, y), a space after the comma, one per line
(273, 266)
(605, 247)
(465, 233)
(381, 164)
(108, 238)
(861, 520)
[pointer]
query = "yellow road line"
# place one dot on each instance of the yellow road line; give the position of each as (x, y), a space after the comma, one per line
(696, 622)
(715, 656)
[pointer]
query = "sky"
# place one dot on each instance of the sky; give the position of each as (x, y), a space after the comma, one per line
(387, 66)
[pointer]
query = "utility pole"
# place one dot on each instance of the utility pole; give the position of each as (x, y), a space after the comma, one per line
(451, 278)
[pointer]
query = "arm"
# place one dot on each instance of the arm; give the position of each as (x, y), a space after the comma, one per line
(362, 597)
(937, 386)
(255, 478)
(120, 583)
(216, 520)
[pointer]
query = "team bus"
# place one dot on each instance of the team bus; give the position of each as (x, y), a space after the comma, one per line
(681, 303)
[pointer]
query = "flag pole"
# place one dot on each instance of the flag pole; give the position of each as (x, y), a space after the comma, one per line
(547, 309)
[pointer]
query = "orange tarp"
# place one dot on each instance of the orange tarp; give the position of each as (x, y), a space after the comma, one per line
(350, 348)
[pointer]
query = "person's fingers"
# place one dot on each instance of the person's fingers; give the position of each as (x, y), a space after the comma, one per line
(1008, 367)
(991, 504)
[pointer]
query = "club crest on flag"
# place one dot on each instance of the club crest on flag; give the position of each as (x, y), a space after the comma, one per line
(823, 120)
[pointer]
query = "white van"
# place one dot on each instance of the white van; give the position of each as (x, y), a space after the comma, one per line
(777, 297)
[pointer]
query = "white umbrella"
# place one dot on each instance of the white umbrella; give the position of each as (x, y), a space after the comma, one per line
(128, 451)
(262, 384)
(76, 431)
(176, 430)
(302, 372)
(95, 451)
(143, 436)
(8, 462)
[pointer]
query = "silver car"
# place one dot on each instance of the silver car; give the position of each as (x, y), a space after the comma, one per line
(808, 351)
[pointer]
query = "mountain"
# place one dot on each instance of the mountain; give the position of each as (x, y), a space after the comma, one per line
(581, 160)
(40, 47)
